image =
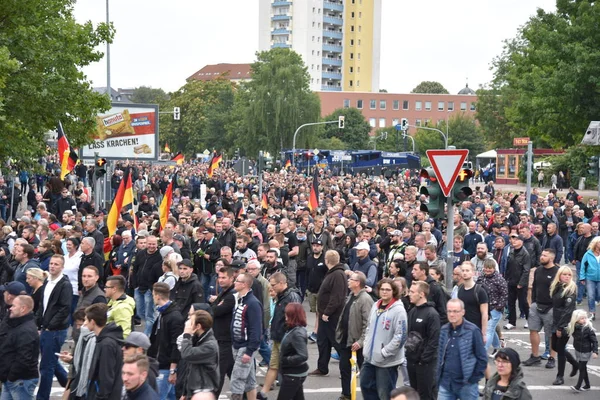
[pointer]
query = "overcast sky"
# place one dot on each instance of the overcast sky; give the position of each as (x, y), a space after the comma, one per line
(160, 43)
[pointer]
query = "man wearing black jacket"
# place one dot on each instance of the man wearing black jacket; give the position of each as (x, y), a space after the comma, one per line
(91, 227)
(163, 338)
(517, 278)
(53, 322)
(316, 270)
(105, 370)
(436, 292)
(147, 269)
(188, 289)
(206, 255)
(222, 306)
(19, 350)
(422, 343)
(90, 257)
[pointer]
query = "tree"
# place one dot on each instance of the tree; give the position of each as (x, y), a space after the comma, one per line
(276, 102)
(463, 134)
(551, 70)
(42, 52)
(148, 95)
(430, 87)
(355, 133)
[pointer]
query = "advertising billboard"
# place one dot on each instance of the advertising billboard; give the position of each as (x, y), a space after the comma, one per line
(126, 131)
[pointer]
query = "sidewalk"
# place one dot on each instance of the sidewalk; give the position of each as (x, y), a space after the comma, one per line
(543, 190)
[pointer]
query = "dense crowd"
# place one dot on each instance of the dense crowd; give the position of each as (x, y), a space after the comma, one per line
(170, 311)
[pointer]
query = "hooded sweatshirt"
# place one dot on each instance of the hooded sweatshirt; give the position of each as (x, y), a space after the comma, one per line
(386, 334)
(105, 370)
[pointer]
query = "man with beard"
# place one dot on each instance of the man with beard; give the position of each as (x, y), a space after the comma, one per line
(436, 292)
(243, 253)
(205, 257)
(303, 250)
(555, 242)
(316, 269)
(271, 264)
(480, 256)
(397, 247)
(228, 235)
(472, 238)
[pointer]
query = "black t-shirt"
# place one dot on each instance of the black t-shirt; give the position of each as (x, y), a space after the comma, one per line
(291, 240)
(499, 392)
(472, 311)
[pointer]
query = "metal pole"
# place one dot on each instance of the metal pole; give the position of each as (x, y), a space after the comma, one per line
(108, 90)
(450, 244)
(298, 130)
(436, 130)
(259, 170)
(599, 182)
(529, 168)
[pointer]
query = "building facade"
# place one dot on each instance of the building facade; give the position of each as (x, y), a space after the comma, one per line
(339, 41)
(383, 110)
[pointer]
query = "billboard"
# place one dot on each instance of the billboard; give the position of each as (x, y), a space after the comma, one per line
(126, 131)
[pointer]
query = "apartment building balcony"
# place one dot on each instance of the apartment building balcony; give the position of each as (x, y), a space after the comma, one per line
(332, 75)
(279, 45)
(281, 3)
(333, 34)
(281, 31)
(280, 17)
(332, 48)
(328, 5)
(332, 61)
(328, 88)
(333, 20)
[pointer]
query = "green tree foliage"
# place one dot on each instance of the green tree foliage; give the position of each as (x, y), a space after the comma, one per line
(148, 95)
(276, 102)
(205, 113)
(463, 134)
(552, 72)
(355, 134)
(42, 52)
(430, 87)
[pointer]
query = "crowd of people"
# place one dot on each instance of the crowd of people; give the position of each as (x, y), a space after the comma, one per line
(165, 312)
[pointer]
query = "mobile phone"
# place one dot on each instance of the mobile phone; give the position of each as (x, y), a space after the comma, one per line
(57, 354)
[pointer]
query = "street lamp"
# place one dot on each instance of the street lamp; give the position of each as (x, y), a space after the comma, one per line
(108, 57)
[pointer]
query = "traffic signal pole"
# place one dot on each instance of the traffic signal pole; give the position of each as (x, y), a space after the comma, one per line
(340, 123)
(529, 172)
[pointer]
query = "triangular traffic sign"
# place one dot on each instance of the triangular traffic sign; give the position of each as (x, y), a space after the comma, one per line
(447, 164)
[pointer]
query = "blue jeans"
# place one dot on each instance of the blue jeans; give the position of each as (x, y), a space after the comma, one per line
(51, 342)
(491, 337)
(145, 309)
(21, 389)
(166, 390)
(593, 293)
(3, 211)
(580, 286)
(466, 392)
(208, 282)
(376, 383)
(264, 349)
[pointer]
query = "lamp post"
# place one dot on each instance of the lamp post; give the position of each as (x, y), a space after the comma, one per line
(298, 130)
(108, 90)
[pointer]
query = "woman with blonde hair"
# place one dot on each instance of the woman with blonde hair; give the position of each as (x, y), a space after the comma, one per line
(36, 278)
(585, 344)
(171, 273)
(563, 291)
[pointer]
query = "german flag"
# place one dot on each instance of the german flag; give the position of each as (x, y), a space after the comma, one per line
(214, 164)
(167, 148)
(165, 205)
(128, 199)
(313, 200)
(288, 164)
(241, 212)
(178, 158)
(66, 154)
(115, 209)
(264, 202)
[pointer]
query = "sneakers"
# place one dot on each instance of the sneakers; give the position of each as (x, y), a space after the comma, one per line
(585, 388)
(509, 326)
(335, 356)
(551, 363)
(261, 396)
(317, 372)
(532, 360)
(493, 355)
(558, 381)
(576, 389)
(526, 326)
(546, 355)
(502, 343)
(313, 337)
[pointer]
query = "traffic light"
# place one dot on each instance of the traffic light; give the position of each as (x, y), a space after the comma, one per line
(437, 200)
(176, 113)
(524, 162)
(261, 161)
(593, 171)
(341, 122)
(461, 190)
(404, 124)
(100, 167)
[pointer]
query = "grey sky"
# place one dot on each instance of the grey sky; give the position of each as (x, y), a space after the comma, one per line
(160, 43)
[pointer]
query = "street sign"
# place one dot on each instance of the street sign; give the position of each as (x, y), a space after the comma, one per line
(520, 141)
(447, 164)
(398, 127)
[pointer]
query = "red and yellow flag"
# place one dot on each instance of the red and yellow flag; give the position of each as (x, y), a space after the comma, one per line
(115, 209)
(214, 164)
(128, 199)
(178, 158)
(288, 164)
(264, 202)
(66, 154)
(167, 148)
(165, 205)
(313, 200)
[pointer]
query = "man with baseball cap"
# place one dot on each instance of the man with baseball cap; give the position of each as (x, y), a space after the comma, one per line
(188, 289)
(10, 291)
(517, 278)
(138, 343)
(365, 265)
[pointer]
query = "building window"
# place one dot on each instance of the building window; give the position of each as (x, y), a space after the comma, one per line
(351, 69)
(405, 105)
(373, 104)
(463, 106)
(358, 69)
(347, 102)
(351, 42)
(372, 122)
(314, 9)
(352, 56)
(382, 104)
(352, 15)
(360, 14)
(360, 28)
(472, 106)
(351, 28)
(357, 83)
(418, 105)
(440, 106)
(450, 106)
(427, 122)
(318, 81)
(359, 56)
(318, 53)
(427, 106)
(319, 25)
(318, 67)
(382, 122)
(313, 52)
(396, 104)
(312, 66)
(351, 83)
(359, 104)
(395, 121)
(313, 38)
(313, 24)
(418, 122)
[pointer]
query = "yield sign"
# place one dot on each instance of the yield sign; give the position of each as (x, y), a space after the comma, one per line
(447, 164)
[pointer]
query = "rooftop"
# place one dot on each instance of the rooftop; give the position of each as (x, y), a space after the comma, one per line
(230, 71)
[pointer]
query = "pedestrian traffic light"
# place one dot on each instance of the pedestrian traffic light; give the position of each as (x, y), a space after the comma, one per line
(593, 171)
(341, 122)
(100, 167)
(404, 124)
(176, 113)
(437, 200)
(461, 190)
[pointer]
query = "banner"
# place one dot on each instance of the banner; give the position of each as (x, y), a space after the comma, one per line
(126, 131)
